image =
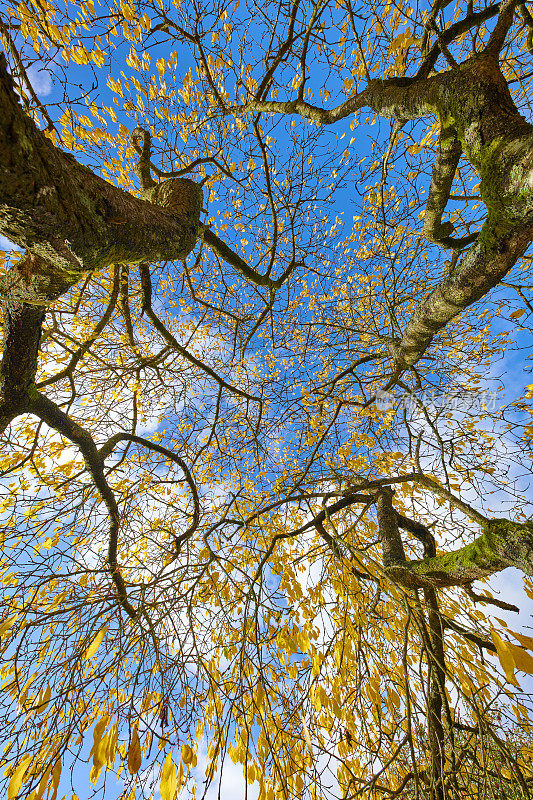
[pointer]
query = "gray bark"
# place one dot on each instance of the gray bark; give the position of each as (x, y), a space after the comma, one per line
(478, 116)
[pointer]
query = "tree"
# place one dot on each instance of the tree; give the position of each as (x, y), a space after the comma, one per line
(481, 758)
(235, 520)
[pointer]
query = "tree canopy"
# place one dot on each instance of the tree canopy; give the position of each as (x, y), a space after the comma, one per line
(264, 403)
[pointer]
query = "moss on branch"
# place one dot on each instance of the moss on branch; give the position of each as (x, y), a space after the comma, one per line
(502, 544)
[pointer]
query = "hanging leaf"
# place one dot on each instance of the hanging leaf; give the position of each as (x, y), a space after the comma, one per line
(43, 699)
(95, 644)
(522, 659)
(525, 641)
(56, 775)
(134, 753)
(307, 736)
(187, 754)
(18, 776)
(169, 782)
(506, 658)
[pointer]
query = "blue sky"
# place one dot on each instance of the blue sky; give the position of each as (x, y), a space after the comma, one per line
(346, 204)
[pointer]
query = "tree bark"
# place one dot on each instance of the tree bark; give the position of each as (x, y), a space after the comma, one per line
(502, 544)
(70, 220)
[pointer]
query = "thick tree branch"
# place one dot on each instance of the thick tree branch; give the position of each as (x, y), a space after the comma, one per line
(70, 219)
(480, 270)
(391, 541)
(502, 544)
(446, 161)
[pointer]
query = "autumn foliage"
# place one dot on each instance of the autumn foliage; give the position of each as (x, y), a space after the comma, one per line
(264, 399)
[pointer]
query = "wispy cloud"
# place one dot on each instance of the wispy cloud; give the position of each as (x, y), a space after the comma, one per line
(41, 79)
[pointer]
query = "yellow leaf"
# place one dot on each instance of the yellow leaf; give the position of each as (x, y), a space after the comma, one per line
(307, 736)
(43, 699)
(56, 775)
(522, 659)
(111, 744)
(18, 776)
(169, 782)
(187, 754)
(95, 644)
(7, 625)
(42, 786)
(304, 641)
(97, 732)
(506, 658)
(518, 313)
(134, 753)
(525, 641)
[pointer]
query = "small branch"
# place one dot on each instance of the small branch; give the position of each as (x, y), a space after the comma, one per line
(440, 491)
(481, 598)
(56, 419)
(470, 21)
(443, 47)
(83, 349)
(232, 258)
(24, 78)
(280, 55)
(146, 284)
(106, 450)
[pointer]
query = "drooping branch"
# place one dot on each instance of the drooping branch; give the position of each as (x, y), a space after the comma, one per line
(436, 693)
(495, 601)
(56, 419)
(106, 450)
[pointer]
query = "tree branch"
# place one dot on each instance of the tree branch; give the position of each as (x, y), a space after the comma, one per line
(502, 544)
(56, 419)
(146, 285)
(106, 450)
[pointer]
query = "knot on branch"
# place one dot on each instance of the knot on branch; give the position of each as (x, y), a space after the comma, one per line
(183, 196)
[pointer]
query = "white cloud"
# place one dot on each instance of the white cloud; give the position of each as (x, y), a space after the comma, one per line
(230, 783)
(40, 79)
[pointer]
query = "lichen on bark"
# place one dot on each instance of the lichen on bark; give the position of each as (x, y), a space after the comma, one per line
(502, 543)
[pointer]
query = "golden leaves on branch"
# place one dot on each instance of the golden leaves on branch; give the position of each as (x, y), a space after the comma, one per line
(18, 776)
(512, 657)
(95, 644)
(168, 785)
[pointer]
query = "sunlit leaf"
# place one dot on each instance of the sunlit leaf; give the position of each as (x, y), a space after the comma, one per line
(168, 782)
(134, 753)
